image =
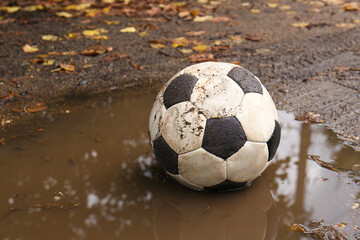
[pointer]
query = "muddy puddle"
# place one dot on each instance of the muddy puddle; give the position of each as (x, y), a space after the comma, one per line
(91, 175)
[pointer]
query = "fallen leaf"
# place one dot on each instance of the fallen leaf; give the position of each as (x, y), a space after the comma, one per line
(290, 12)
(111, 22)
(30, 49)
(95, 50)
(357, 21)
(8, 96)
(285, 7)
(50, 38)
(300, 24)
(345, 25)
(95, 32)
(32, 8)
(236, 38)
(353, 6)
(183, 14)
(179, 42)
(7, 20)
(64, 14)
(252, 37)
(297, 228)
(136, 66)
(186, 50)
(201, 57)
(201, 48)
(128, 30)
(195, 33)
(203, 18)
(255, 10)
(37, 60)
(157, 45)
(272, 5)
(262, 51)
(49, 62)
(69, 53)
(67, 66)
(11, 9)
(74, 35)
(35, 107)
(310, 117)
(78, 7)
(322, 163)
(221, 19)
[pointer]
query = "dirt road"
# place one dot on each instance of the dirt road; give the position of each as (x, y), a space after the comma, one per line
(307, 53)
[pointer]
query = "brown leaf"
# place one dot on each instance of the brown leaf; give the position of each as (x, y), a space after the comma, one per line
(323, 164)
(35, 107)
(67, 66)
(152, 11)
(95, 50)
(252, 37)
(353, 6)
(136, 66)
(195, 33)
(202, 57)
(8, 96)
(7, 20)
(310, 118)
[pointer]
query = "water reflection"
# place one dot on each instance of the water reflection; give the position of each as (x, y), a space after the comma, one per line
(92, 175)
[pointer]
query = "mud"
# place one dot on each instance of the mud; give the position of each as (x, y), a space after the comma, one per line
(91, 174)
(309, 69)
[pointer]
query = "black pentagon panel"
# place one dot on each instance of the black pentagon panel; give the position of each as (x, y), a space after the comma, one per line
(166, 157)
(179, 90)
(246, 80)
(227, 185)
(223, 136)
(274, 141)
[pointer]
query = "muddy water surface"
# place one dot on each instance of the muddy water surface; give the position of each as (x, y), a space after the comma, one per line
(91, 175)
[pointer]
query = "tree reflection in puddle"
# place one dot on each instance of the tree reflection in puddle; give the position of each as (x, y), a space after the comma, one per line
(100, 158)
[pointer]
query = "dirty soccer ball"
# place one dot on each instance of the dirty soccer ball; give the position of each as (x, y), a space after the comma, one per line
(214, 127)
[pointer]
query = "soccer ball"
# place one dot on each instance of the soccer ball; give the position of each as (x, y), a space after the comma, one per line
(214, 127)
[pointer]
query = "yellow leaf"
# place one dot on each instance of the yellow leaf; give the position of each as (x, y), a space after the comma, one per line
(128, 30)
(285, 7)
(353, 6)
(180, 4)
(49, 62)
(10, 9)
(333, 1)
(290, 12)
(157, 45)
(201, 48)
(63, 14)
(69, 53)
(357, 21)
(345, 25)
(92, 12)
(255, 10)
(67, 66)
(180, 42)
(143, 34)
(215, 2)
(300, 24)
(111, 22)
(95, 32)
(272, 5)
(30, 49)
(49, 38)
(203, 18)
(78, 7)
(32, 8)
(73, 35)
(186, 50)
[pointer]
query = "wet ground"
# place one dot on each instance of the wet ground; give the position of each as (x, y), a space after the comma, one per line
(91, 174)
(305, 52)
